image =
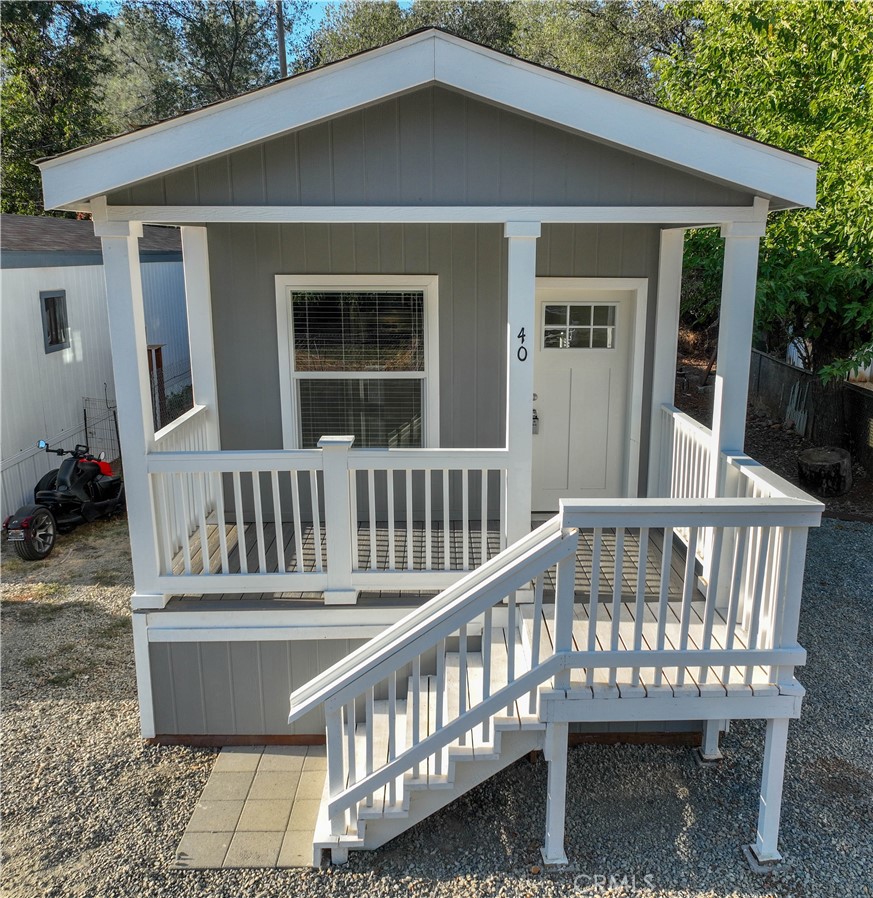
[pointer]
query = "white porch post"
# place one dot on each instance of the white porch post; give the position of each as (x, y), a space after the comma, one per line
(736, 321)
(556, 798)
(666, 338)
(338, 521)
(130, 368)
(198, 302)
(521, 294)
(770, 806)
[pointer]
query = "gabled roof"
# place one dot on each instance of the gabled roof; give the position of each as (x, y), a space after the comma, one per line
(423, 58)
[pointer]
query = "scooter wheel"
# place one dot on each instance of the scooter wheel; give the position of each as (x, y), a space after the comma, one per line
(39, 537)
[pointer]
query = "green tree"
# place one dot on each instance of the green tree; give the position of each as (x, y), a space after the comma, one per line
(51, 66)
(798, 75)
(172, 55)
(611, 43)
(351, 27)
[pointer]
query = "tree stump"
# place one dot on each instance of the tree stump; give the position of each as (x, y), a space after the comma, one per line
(825, 471)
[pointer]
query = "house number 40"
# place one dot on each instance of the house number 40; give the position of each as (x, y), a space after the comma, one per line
(522, 349)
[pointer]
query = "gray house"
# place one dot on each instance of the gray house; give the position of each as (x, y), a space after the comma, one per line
(433, 299)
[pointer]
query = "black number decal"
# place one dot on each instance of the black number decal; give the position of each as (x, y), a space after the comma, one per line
(522, 350)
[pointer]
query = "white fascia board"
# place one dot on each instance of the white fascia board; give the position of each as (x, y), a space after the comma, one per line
(288, 105)
(622, 121)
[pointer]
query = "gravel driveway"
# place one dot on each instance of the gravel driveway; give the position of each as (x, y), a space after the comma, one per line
(89, 810)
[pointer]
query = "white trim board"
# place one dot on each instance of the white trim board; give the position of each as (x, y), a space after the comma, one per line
(689, 216)
(412, 62)
(640, 288)
(427, 283)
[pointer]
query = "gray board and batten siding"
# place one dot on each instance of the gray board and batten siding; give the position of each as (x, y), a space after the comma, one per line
(432, 146)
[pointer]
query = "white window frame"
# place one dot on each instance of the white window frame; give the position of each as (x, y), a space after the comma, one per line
(288, 284)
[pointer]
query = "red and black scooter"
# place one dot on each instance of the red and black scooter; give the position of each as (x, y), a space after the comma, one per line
(81, 490)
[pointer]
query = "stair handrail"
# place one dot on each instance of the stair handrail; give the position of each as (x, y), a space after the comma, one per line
(442, 615)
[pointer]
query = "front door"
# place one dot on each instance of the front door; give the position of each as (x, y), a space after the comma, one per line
(582, 380)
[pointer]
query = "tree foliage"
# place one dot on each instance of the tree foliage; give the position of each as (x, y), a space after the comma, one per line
(611, 43)
(798, 75)
(172, 55)
(51, 97)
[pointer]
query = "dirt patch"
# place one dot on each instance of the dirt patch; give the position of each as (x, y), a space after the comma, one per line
(773, 443)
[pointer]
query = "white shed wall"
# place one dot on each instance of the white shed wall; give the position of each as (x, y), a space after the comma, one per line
(42, 392)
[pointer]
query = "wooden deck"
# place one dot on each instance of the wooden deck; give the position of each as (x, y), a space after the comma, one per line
(309, 554)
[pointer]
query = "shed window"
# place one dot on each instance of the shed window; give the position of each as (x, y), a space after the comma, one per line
(359, 360)
(579, 326)
(55, 330)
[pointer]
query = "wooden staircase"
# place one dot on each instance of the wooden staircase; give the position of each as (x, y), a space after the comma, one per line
(444, 776)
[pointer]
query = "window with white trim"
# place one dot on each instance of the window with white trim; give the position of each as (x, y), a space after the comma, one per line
(361, 364)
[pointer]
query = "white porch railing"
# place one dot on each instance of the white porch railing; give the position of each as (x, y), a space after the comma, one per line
(686, 446)
(705, 642)
(325, 519)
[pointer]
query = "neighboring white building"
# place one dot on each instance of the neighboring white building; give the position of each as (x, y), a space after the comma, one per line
(55, 334)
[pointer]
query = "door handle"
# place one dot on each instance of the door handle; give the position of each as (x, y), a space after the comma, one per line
(535, 422)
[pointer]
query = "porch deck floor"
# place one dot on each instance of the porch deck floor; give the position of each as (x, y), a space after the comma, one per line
(258, 809)
(366, 561)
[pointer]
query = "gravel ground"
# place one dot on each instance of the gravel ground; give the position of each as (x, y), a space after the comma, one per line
(89, 810)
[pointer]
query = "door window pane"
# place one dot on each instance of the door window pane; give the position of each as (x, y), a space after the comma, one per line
(579, 326)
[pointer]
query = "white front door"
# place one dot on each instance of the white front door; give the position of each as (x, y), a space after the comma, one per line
(582, 389)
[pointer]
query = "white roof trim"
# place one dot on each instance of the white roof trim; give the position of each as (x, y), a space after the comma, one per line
(422, 59)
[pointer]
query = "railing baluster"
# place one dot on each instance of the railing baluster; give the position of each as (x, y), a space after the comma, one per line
(465, 515)
(483, 520)
(351, 724)
(594, 600)
(219, 519)
(428, 523)
(368, 736)
(447, 564)
(617, 575)
(486, 668)
(336, 776)
(242, 551)
(316, 521)
(278, 524)
(371, 499)
(735, 596)
(711, 595)
(410, 549)
(462, 678)
(689, 583)
(182, 499)
(416, 707)
(298, 526)
(440, 699)
(539, 586)
(757, 597)
(502, 492)
(259, 521)
(663, 595)
(511, 632)
(201, 520)
(640, 605)
(392, 546)
(392, 732)
(160, 490)
(353, 517)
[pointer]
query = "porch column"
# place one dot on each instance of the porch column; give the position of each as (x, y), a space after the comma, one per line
(127, 333)
(736, 321)
(201, 342)
(666, 339)
(521, 306)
